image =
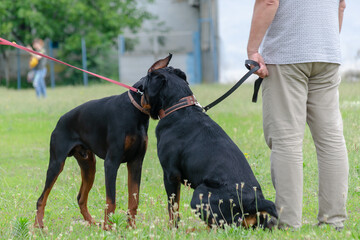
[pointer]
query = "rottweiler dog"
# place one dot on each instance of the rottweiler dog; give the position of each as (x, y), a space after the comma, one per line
(195, 151)
(113, 128)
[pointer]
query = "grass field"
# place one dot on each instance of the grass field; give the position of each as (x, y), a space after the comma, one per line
(27, 122)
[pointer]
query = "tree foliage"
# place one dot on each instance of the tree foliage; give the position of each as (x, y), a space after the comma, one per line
(67, 21)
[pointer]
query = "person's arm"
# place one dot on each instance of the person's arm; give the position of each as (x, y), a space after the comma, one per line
(32, 54)
(342, 7)
(263, 15)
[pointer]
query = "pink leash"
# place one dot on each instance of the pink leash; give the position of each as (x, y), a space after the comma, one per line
(5, 42)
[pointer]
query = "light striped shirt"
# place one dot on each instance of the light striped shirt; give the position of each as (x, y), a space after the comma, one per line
(303, 31)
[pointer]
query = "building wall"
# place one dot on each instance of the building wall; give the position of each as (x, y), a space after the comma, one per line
(177, 23)
(171, 32)
(179, 15)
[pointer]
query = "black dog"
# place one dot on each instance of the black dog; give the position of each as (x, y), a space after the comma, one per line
(195, 151)
(114, 129)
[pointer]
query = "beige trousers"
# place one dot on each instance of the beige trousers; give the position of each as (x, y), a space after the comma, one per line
(293, 95)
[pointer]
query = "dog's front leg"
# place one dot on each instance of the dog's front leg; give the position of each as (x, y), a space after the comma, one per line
(134, 177)
(111, 168)
(173, 191)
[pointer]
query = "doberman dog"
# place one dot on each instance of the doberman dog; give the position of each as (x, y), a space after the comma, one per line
(195, 151)
(113, 128)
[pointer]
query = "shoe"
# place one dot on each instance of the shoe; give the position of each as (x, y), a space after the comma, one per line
(273, 223)
(337, 228)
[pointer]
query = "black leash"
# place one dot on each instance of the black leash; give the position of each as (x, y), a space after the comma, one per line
(246, 76)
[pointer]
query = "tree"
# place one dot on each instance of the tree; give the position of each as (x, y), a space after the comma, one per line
(67, 21)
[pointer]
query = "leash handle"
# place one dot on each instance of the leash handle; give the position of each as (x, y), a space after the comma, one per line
(257, 85)
(249, 62)
(258, 81)
(231, 90)
(6, 42)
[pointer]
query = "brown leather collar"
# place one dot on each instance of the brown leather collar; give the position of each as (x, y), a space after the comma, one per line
(141, 109)
(182, 103)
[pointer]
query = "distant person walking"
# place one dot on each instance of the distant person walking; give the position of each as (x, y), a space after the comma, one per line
(39, 68)
(300, 61)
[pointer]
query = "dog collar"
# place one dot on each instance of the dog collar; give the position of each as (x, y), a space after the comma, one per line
(182, 103)
(141, 109)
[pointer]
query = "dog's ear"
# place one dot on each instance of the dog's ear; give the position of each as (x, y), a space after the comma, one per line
(153, 92)
(181, 74)
(156, 83)
(162, 63)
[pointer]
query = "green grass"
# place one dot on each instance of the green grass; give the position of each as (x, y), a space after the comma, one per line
(27, 122)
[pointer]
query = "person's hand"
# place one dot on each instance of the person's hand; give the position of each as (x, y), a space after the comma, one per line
(263, 71)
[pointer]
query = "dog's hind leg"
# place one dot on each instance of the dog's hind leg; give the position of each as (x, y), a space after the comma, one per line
(56, 165)
(87, 162)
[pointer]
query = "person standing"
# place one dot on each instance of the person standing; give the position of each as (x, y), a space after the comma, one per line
(40, 69)
(300, 59)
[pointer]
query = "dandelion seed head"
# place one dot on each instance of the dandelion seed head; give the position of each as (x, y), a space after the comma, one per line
(175, 206)
(201, 196)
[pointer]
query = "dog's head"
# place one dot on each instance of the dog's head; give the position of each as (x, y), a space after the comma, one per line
(140, 85)
(164, 86)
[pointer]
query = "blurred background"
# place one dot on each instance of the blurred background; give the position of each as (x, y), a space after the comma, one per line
(120, 39)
